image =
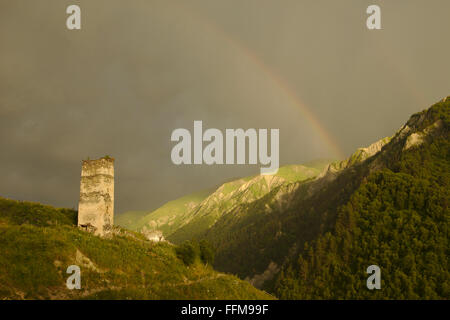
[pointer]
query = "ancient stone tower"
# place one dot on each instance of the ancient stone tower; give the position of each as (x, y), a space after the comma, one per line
(96, 206)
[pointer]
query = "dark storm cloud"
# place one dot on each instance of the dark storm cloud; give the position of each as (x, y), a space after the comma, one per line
(139, 69)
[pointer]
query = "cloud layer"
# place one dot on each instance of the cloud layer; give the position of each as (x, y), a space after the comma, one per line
(138, 70)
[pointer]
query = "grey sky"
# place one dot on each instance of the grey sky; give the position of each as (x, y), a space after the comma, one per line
(139, 69)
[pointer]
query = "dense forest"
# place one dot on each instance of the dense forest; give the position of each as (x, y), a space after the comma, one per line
(398, 219)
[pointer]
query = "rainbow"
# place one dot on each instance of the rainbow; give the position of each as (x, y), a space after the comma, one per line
(279, 82)
(296, 102)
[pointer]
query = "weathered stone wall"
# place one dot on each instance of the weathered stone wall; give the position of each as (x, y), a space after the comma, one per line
(96, 205)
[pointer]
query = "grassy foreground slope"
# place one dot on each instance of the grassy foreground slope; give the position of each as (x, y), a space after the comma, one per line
(39, 242)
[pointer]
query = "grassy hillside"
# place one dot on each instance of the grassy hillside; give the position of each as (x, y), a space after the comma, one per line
(39, 242)
(167, 218)
(172, 215)
(235, 194)
(129, 219)
(190, 216)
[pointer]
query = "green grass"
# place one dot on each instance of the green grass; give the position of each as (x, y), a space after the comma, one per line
(22, 212)
(129, 219)
(190, 216)
(165, 218)
(294, 173)
(39, 243)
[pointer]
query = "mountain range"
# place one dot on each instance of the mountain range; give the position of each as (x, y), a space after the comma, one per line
(312, 230)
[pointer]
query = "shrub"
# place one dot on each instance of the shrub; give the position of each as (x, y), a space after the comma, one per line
(206, 252)
(188, 252)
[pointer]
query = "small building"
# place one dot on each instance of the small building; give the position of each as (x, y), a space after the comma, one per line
(155, 235)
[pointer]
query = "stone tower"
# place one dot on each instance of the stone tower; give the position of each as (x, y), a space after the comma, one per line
(96, 206)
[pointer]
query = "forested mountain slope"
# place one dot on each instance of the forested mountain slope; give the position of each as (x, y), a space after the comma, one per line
(389, 208)
(397, 219)
(307, 233)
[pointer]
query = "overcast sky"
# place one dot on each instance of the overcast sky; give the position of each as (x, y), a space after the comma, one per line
(139, 69)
